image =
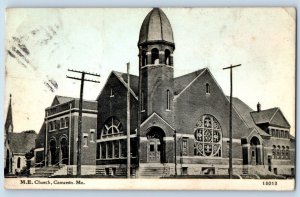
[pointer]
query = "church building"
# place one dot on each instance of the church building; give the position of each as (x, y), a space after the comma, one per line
(183, 121)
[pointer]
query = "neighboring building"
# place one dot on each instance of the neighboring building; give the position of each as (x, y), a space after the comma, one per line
(16, 145)
(195, 108)
(56, 143)
(20, 144)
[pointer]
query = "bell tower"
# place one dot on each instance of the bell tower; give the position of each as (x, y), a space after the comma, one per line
(156, 47)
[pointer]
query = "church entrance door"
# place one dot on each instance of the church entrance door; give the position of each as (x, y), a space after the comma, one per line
(153, 150)
(53, 152)
(155, 145)
(256, 152)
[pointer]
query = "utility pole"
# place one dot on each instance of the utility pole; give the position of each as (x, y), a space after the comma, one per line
(230, 171)
(82, 80)
(139, 111)
(128, 122)
(175, 151)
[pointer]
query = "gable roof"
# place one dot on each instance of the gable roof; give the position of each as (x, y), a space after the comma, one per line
(268, 116)
(61, 99)
(134, 81)
(245, 112)
(182, 82)
(155, 115)
(22, 142)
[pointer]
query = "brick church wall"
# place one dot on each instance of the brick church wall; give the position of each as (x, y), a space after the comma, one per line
(194, 102)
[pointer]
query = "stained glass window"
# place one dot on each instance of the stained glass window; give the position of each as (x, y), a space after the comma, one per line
(208, 137)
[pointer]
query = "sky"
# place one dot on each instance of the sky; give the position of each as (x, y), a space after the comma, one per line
(42, 44)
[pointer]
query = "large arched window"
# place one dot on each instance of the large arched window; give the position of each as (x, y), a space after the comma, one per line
(112, 127)
(154, 56)
(208, 137)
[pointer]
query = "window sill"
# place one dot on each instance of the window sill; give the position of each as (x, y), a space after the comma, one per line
(143, 110)
(168, 110)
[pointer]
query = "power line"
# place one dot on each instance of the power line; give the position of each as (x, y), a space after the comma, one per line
(82, 80)
(230, 171)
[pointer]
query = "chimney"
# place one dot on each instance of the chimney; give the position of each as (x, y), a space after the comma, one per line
(258, 107)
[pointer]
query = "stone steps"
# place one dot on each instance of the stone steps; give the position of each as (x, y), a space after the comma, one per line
(45, 171)
(153, 170)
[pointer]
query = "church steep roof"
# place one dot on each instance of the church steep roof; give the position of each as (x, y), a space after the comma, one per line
(245, 112)
(183, 81)
(156, 27)
(9, 118)
(22, 142)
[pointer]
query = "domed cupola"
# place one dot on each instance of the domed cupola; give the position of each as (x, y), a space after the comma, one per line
(156, 28)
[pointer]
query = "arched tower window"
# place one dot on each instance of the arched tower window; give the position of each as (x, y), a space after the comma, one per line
(167, 57)
(112, 127)
(208, 137)
(154, 56)
(207, 88)
(19, 162)
(168, 100)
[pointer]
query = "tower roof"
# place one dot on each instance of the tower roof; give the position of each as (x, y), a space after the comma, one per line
(156, 27)
(9, 118)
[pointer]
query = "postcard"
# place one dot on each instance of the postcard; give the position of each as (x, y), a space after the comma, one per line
(150, 98)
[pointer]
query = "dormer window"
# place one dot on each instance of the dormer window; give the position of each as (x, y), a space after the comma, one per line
(207, 88)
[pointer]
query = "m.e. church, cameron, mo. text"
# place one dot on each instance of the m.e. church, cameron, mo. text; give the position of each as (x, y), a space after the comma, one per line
(153, 125)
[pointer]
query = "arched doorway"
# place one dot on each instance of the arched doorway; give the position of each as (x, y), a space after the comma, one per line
(64, 151)
(255, 148)
(155, 145)
(53, 152)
